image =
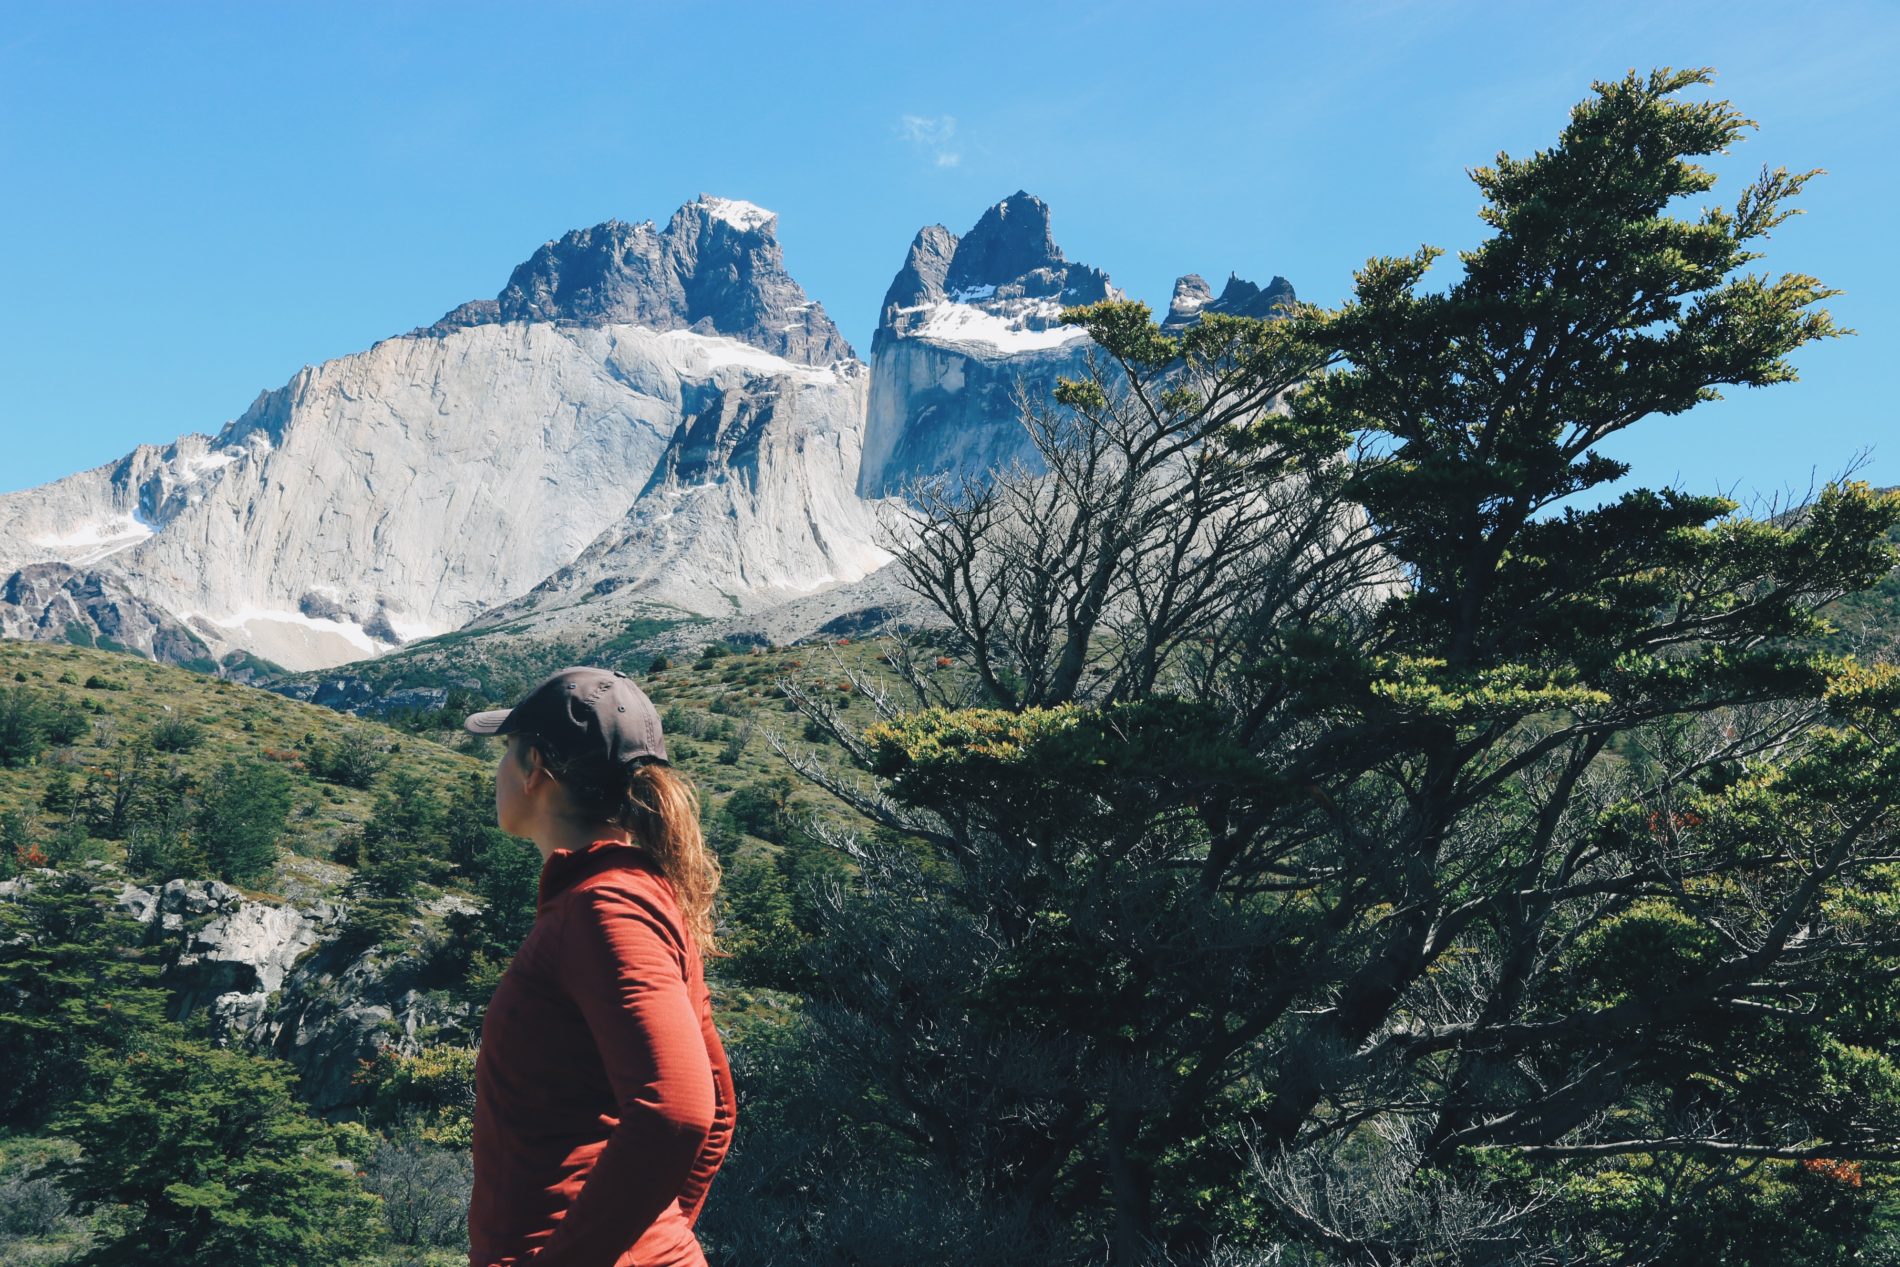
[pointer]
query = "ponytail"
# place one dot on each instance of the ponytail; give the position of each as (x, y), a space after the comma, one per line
(658, 805)
(661, 809)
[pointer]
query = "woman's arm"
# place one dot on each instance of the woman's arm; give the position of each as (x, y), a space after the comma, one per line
(719, 1138)
(619, 959)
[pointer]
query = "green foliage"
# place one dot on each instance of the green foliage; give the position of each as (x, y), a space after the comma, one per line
(177, 734)
(163, 843)
(74, 983)
(353, 759)
(17, 840)
(126, 787)
(403, 842)
(60, 797)
(214, 1161)
(71, 843)
(240, 817)
(680, 720)
(762, 809)
(23, 721)
(432, 1093)
(66, 723)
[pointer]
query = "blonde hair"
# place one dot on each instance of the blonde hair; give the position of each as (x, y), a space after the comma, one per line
(659, 806)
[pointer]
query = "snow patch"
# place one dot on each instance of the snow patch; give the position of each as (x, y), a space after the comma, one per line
(410, 630)
(348, 630)
(191, 470)
(743, 216)
(92, 542)
(695, 353)
(960, 323)
(972, 294)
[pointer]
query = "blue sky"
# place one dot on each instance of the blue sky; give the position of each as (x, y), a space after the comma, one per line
(196, 200)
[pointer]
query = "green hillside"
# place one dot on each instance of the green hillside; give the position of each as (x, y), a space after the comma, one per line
(105, 757)
(718, 709)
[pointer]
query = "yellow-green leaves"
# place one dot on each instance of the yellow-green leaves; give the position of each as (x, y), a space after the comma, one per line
(1126, 329)
(1650, 950)
(1432, 688)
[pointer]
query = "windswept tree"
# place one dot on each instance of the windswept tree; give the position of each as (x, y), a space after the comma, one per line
(1369, 834)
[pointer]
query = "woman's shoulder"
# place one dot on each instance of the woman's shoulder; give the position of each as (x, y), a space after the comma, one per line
(629, 877)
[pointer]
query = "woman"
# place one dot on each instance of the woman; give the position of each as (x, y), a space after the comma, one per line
(603, 1101)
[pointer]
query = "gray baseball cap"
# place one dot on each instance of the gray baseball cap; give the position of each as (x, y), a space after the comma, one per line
(583, 712)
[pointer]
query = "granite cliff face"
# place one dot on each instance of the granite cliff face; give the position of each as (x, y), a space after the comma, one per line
(966, 320)
(402, 491)
(755, 488)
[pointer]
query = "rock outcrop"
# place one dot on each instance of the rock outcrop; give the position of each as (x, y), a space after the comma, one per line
(268, 976)
(1238, 298)
(52, 602)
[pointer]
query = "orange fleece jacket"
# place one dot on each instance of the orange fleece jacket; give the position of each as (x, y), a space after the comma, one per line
(603, 1100)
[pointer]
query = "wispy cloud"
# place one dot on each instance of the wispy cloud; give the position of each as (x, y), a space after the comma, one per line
(934, 135)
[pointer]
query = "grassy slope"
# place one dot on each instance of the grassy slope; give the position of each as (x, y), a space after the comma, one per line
(240, 720)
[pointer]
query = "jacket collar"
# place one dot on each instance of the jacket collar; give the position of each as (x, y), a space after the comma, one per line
(564, 867)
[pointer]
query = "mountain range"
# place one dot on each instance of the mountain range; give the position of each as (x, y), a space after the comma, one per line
(646, 423)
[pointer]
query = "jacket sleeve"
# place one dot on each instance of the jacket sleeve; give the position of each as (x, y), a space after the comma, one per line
(725, 1112)
(621, 962)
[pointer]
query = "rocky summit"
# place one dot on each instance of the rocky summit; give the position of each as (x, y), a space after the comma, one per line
(716, 268)
(1192, 300)
(644, 420)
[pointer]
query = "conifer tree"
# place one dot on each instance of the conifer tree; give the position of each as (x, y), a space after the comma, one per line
(240, 816)
(74, 982)
(212, 1160)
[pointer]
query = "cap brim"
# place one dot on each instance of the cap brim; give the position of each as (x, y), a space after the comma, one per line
(488, 723)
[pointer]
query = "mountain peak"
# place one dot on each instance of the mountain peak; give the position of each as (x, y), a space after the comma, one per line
(1010, 241)
(1008, 264)
(716, 268)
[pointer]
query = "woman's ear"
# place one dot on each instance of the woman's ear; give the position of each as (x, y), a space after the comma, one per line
(537, 769)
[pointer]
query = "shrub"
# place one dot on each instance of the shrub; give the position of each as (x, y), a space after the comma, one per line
(67, 723)
(425, 1189)
(177, 734)
(678, 720)
(31, 1208)
(353, 759)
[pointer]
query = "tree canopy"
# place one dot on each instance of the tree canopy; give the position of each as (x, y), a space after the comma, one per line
(1364, 834)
